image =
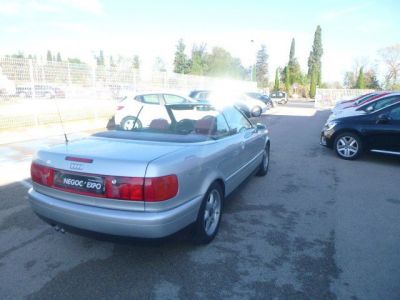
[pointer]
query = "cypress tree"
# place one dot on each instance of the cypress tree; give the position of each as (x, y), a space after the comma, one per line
(361, 79)
(292, 51)
(287, 79)
(314, 61)
(59, 57)
(49, 56)
(277, 81)
(313, 84)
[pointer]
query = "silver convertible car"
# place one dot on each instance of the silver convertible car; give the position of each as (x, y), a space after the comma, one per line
(170, 172)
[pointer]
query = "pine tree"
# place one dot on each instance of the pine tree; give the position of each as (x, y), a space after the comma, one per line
(49, 56)
(277, 81)
(181, 63)
(361, 79)
(262, 67)
(59, 57)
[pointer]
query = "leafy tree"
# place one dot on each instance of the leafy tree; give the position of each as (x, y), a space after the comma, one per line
(371, 80)
(360, 84)
(277, 81)
(159, 65)
(221, 63)
(391, 58)
(136, 62)
(74, 60)
(59, 57)
(349, 80)
(314, 60)
(181, 62)
(19, 54)
(262, 67)
(49, 56)
(198, 62)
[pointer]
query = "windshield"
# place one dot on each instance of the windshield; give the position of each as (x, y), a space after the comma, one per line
(380, 104)
(365, 98)
(193, 120)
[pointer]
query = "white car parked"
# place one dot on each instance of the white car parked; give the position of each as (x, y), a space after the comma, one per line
(128, 110)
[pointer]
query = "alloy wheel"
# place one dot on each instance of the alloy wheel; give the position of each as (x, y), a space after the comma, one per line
(212, 212)
(347, 146)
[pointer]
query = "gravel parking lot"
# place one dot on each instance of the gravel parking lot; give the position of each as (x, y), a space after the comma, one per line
(316, 227)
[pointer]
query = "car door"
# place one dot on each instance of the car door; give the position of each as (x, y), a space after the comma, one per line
(383, 133)
(250, 144)
(153, 105)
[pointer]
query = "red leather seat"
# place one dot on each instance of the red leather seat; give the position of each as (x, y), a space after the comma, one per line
(160, 124)
(206, 125)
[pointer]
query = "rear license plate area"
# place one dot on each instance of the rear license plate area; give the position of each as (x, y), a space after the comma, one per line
(79, 183)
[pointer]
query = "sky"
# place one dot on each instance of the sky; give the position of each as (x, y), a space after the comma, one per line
(352, 31)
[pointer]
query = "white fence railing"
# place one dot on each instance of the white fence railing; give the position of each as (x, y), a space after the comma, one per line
(326, 98)
(29, 88)
(32, 78)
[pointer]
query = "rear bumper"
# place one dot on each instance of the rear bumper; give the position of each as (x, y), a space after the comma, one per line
(115, 222)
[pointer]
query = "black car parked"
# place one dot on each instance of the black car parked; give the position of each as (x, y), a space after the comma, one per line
(377, 132)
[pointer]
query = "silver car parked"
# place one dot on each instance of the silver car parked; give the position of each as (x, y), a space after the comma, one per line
(153, 180)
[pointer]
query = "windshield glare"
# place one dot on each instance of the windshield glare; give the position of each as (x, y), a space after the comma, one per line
(183, 119)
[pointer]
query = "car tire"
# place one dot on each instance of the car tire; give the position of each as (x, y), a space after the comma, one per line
(209, 216)
(128, 123)
(264, 165)
(348, 146)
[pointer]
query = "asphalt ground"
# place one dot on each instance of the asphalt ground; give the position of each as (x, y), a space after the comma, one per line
(316, 227)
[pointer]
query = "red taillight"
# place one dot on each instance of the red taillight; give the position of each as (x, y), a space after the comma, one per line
(42, 174)
(153, 189)
(119, 107)
(160, 188)
(124, 188)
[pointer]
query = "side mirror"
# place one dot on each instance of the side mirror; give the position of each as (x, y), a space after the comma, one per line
(382, 119)
(369, 108)
(260, 127)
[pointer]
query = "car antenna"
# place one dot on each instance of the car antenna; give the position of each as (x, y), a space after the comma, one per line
(62, 123)
(136, 118)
